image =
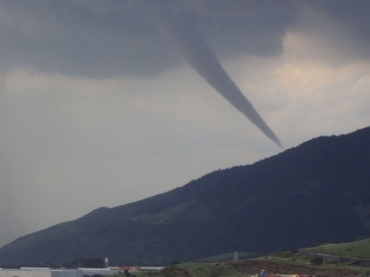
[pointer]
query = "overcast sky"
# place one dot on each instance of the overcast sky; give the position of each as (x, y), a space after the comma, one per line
(98, 106)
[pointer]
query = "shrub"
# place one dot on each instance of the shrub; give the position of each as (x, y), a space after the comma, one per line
(317, 261)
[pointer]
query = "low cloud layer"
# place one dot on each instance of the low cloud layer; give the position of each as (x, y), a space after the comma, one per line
(94, 39)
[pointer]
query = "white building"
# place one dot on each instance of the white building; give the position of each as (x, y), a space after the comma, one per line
(46, 272)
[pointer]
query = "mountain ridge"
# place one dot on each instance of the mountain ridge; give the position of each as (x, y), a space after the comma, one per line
(304, 196)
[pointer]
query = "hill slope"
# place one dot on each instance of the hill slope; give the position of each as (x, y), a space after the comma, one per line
(314, 193)
(359, 248)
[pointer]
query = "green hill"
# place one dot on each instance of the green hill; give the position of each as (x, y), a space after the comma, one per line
(287, 262)
(308, 195)
(359, 248)
(251, 267)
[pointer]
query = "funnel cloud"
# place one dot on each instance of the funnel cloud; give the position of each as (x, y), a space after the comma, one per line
(203, 60)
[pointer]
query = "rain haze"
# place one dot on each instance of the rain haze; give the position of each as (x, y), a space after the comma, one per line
(103, 104)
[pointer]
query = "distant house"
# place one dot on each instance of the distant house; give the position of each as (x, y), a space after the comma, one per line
(150, 268)
(123, 268)
(136, 268)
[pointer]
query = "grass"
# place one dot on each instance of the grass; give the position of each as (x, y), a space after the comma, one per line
(282, 262)
(197, 270)
(253, 266)
(359, 248)
(211, 269)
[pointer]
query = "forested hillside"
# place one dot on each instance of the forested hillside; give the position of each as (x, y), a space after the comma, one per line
(315, 193)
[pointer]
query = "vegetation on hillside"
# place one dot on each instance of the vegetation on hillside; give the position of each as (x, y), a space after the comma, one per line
(314, 193)
(286, 262)
(359, 248)
(251, 267)
(227, 257)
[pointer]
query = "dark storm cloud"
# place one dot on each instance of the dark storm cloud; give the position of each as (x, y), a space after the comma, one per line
(354, 17)
(56, 36)
(355, 14)
(110, 38)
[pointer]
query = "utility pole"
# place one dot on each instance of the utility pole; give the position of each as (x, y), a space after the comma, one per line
(106, 262)
(79, 258)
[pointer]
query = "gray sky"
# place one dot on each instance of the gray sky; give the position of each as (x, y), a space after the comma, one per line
(98, 108)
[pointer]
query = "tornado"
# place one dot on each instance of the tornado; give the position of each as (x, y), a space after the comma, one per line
(186, 38)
